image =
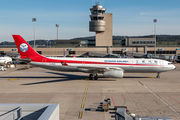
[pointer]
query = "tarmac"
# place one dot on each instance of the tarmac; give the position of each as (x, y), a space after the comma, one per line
(80, 98)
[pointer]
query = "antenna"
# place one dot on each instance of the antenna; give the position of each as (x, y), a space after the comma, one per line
(97, 3)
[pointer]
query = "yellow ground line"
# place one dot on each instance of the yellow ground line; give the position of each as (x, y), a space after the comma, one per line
(82, 106)
(84, 98)
(4, 83)
(86, 84)
(85, 93)
(87, 81)
(149, 77)
(86, 88)
(80, 115)
(13, 79)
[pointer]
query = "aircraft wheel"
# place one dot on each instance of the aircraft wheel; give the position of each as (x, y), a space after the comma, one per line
(96, 77)
(158, 76)
(91, 77)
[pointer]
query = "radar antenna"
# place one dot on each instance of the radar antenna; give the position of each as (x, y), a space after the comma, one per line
(97, 3)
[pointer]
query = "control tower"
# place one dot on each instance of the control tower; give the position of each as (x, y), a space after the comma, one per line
(101, 23)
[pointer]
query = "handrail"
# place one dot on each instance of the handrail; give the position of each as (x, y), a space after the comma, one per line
(13, 113)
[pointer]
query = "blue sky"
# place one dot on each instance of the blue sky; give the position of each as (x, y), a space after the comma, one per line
(130, 17)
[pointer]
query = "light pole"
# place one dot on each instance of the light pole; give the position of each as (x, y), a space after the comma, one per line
(57, 25)
(47, 43)
(34, 20)
(155, 21)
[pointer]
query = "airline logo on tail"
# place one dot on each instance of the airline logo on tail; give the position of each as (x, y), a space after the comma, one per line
(23, 47)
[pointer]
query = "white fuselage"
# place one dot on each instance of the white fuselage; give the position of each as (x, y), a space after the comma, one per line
(4, 60)
(128, 65)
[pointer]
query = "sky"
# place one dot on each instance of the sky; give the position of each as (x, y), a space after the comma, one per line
(130, 18)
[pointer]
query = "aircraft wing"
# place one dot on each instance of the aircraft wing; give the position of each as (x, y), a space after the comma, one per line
(26, 60)
(102, 69)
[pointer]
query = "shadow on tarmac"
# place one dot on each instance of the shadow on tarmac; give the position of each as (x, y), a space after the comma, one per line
(65, 77)
(97, 109)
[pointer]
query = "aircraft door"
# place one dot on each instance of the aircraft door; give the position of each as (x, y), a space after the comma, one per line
(44, 61)
(131, 63)
(161, 64)
(83, 63)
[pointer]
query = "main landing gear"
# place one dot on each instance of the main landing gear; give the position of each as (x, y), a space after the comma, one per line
(93, 77)
(158, 76)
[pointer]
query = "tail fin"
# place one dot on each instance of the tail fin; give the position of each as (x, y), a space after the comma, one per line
(25, 50)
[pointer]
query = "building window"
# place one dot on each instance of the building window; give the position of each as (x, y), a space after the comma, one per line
(143, 42)
(72, 52)
(40, 52)
(117, 52)
(162, 52)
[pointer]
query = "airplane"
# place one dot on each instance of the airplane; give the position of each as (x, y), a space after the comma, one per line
(5, 60)
(109, 67)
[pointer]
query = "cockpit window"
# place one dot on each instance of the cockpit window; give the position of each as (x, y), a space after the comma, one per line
(169, 63)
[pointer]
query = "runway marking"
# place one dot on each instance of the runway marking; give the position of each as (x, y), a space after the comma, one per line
(13, 79)
(149, 77)
(82, 106)
(141, 83)
(80, 115)
(4, 83)
(163, 101)
(174, 100)
(84, 98)
(112, 100)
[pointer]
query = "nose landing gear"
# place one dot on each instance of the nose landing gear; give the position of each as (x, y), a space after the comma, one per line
(158, 75)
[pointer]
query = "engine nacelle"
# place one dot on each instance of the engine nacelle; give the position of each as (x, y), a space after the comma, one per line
(114, 74)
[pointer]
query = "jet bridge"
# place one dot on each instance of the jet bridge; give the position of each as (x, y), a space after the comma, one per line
(29, 111)
(123, 114)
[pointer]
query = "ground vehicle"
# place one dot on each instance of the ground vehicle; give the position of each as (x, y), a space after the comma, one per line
(2, 68)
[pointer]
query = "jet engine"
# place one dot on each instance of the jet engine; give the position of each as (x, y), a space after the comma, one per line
(114, 74)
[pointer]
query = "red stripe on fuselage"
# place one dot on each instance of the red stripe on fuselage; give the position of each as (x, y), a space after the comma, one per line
(49, 60)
